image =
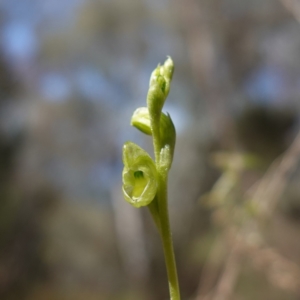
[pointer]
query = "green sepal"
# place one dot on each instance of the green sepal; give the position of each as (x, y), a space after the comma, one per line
(139, 176)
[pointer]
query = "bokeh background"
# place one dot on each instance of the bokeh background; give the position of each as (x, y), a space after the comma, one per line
(71, 74)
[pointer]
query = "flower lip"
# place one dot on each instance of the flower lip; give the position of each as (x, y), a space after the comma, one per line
(138, 174)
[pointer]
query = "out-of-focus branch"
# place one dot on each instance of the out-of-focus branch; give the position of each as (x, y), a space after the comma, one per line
(272, 185)
(231, 270)
(280, 271)
(265, 196)
(293, 6)
(130, 239)
(209, 272)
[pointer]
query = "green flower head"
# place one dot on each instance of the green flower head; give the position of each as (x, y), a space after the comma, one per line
(139, 175)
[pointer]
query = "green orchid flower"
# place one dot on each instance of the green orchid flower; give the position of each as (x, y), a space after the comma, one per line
(139, 176)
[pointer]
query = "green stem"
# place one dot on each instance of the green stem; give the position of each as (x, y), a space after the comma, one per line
(153, 208)
(160, 213)
(155, 125)
(166, 236)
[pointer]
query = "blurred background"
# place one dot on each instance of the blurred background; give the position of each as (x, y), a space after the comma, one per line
(71, 74)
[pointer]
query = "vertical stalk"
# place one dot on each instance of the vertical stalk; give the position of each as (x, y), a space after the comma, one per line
(163, 214)
(155, 126)
(166, 236)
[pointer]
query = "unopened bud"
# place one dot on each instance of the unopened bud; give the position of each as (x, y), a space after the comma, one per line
(159, 86)
(141, 120)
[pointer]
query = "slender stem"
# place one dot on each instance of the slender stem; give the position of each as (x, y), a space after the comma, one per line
(155, 127)
(166, 237)
(163, 222)
(153, 208)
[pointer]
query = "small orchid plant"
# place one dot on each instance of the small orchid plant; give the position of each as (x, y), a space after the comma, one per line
(145, 181)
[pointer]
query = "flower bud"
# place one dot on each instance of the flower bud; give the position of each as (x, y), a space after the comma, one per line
(168, 137)
(167, 71)
(155, 75)
(139, 175)
(156, 94)
(141, 120)
(168, 68)
(159, 86)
